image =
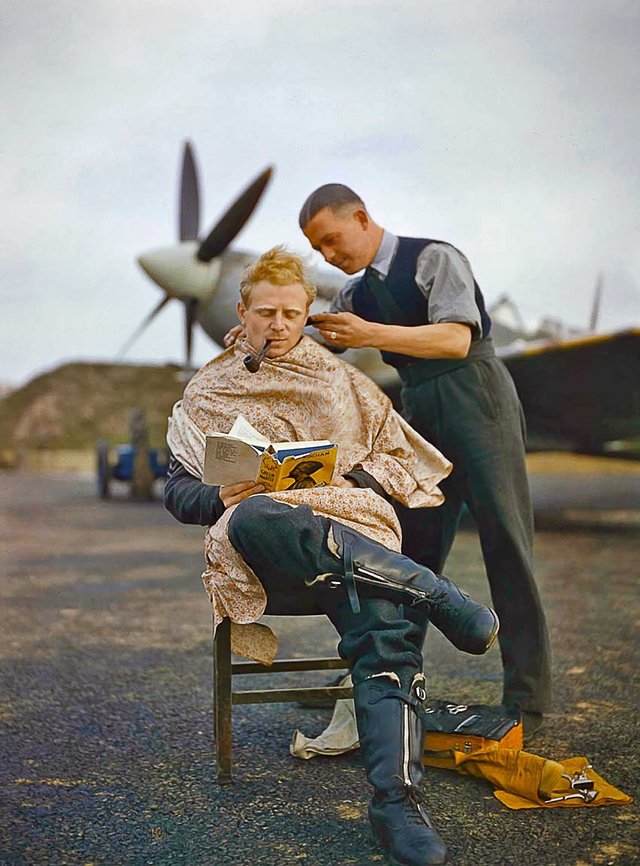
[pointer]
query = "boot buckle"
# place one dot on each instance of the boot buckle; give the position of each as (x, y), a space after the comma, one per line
(349, 579)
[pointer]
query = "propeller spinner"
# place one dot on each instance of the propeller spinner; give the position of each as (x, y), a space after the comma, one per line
(190, 271)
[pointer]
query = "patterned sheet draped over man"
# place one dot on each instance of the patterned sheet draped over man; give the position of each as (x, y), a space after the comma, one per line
(308, 394)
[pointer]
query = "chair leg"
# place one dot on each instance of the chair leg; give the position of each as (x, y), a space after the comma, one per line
(222, 705)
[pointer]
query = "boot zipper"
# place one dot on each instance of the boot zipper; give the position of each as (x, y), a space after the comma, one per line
(334, 581)
(379, 580)
(405, 745)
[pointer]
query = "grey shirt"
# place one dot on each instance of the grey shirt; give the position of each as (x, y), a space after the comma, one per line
(443, 275)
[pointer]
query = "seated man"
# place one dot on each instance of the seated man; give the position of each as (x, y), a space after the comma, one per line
(340, 541)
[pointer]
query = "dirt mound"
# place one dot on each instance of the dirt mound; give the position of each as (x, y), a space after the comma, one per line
(77, 404)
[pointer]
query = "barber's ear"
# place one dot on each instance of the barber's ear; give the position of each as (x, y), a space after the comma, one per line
(362, 217)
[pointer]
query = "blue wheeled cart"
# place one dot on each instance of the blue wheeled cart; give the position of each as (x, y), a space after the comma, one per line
(117, 464)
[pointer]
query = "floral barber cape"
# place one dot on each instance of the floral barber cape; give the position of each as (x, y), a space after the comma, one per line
(308, 393)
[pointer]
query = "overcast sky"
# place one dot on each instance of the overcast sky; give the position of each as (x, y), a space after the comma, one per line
(510, 129)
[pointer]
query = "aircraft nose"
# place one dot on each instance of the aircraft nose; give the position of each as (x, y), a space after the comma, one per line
(179, 273)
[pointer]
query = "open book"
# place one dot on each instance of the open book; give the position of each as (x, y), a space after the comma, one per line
(244, 454)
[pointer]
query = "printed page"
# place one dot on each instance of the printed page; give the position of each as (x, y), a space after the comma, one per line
(228, 460)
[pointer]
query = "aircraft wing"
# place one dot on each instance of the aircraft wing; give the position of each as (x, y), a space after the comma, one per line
(581, 395)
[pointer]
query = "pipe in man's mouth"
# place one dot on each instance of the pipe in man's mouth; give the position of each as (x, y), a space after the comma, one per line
(252, 362)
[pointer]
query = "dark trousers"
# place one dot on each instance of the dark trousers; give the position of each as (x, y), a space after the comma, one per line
(285, 545)
(473, 415)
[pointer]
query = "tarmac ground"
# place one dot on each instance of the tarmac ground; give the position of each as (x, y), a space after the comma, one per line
(106, 753)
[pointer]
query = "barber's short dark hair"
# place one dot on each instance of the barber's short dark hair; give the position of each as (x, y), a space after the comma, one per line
(332, 195)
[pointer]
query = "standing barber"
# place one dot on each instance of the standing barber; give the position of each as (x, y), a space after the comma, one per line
(419, 304)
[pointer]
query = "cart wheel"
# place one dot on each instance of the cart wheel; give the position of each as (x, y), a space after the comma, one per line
(103, 469)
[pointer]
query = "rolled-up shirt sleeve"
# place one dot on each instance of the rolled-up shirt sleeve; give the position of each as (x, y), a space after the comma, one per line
(343, 301)
(444, 277)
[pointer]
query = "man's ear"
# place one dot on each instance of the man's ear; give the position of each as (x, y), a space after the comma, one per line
(362, 217)
(241, 310)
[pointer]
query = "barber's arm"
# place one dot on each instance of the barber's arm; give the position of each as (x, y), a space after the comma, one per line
(446, 340)
(444, 277)
(192, 501)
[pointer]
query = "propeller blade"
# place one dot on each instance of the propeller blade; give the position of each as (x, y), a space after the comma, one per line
(190, 308)
(143, 325)
(234, 219)
(189, 197)
(595, 308)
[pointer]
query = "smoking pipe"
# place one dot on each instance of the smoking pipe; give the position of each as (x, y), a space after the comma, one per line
(252, 362)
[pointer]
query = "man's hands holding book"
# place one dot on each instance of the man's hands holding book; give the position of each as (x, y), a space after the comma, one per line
(232, 494)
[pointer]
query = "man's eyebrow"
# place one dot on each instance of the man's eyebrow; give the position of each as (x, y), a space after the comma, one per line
(269, 307)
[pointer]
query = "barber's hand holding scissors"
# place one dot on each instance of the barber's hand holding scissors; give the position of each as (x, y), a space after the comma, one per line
(343, 329)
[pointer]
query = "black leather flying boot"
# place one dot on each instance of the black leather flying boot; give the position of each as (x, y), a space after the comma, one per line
(419, 618)
(374, 569)
(391, 745)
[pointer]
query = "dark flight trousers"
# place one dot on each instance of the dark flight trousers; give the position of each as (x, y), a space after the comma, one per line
(473, 415)
(285, 545)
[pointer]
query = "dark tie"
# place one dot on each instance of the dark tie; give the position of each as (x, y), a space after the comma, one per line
(387, 305)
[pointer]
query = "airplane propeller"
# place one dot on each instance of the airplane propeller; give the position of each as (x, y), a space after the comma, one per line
(143, 325)
(190, 308)
(189, 197)
(234, 219)
(595, 305)
(189, 272)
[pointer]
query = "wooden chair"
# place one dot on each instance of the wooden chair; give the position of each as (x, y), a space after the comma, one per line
(224, 695)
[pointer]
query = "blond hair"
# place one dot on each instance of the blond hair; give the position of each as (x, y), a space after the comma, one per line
(280, 268)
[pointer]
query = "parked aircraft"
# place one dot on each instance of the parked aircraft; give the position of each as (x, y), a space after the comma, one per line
(580, 394)
(580, 391)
